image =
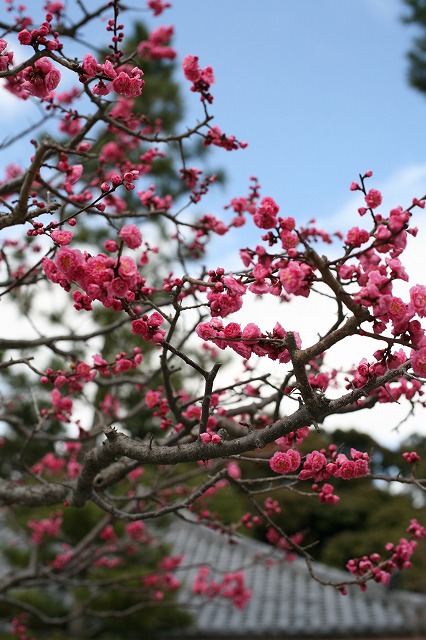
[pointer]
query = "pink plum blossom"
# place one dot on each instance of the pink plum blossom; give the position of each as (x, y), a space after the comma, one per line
(131, 236)
(285, 462)
(40, 79)
(418, 299)
(266, 215)
(373, 198)
(61, 237)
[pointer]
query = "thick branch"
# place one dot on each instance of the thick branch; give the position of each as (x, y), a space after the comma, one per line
(321, 264)
(20, 212)
(118, 444)
(32, 495)
(70, 337)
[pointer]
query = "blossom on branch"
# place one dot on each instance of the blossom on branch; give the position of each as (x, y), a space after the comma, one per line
(41, 78)
(133, 417)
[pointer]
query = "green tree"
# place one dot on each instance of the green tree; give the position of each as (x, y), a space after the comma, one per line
(108, 588)
(417, 53)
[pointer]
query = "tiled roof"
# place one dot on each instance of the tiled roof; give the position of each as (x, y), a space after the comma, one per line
(286, 602)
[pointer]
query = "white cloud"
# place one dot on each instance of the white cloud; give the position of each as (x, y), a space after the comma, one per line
(386, 11)
(12, 106)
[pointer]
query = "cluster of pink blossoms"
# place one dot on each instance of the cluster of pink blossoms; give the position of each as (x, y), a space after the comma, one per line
(40, 37)
(115, 180)
(61, 560)
(337, 465)
(149, 327)
(210, 223)
(296, 278)
(326, 493)
(411, 457)
(270, 508)
(81, 372)
(217, 138)
(155, 400)
(285, 462)
(39, 80)
(207, 437)
(19, 627)
(46, 527)
(265, 217)
(357, 237)
(164, 580)
(274, 538)
(42, 77)
(319, 466)
(126, 81)
(247, 341)
(161, 582)
(49, 463)
(55, 7)
(381, 569)
(6, 57)
(375, 273)
(231, 587)
(225, 296)
(157, 46)
(157, 6)
(54, 465)
(373, 199)
(102, 278)
(418, 304)
(202, 79)
(385, 361)
(190, 176)
(292, 439)
(274, 275)
(110, 553)
(131, 236)
(74, 380)
(61, 407)
(266, 214)
(112, 281)
(153, 202)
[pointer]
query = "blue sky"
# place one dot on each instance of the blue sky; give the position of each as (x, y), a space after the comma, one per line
(318, 89)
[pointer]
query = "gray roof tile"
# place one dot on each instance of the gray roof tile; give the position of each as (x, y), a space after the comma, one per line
(285, 601)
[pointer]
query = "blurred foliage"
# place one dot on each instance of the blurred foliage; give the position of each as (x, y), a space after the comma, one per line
(417, 54)
(161, 101)
(107, 590)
